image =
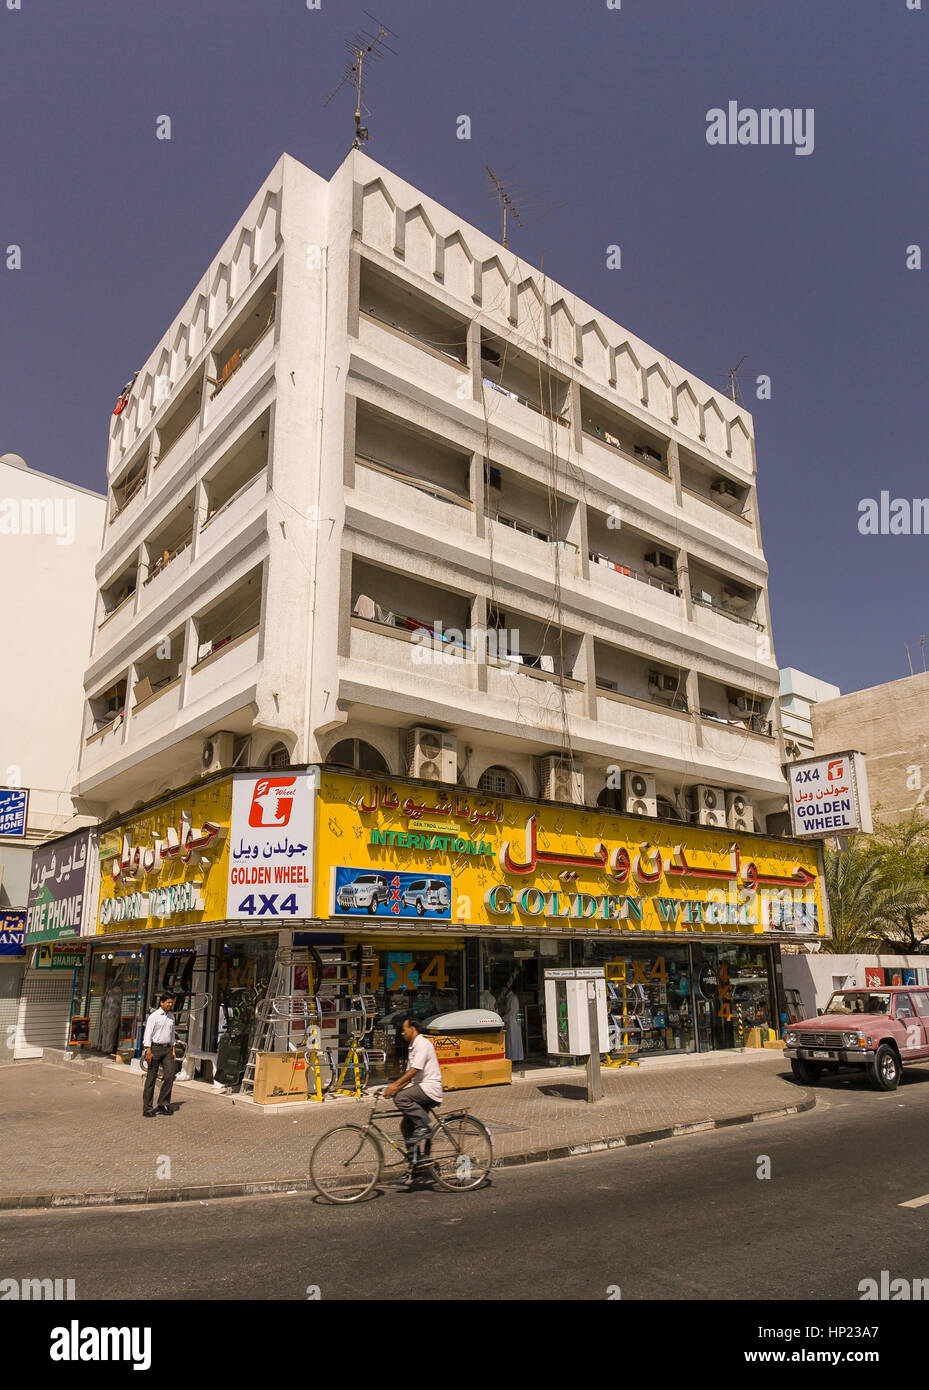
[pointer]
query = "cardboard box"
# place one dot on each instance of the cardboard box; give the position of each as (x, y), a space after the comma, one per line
(778, 1044)
(279, 1076)
(461, 1078)
(471, 1059)
(753, 1037)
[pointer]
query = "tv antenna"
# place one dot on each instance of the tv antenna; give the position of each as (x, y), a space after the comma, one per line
(734, 389)
(364, 48)
(532, 205)
(909, 661)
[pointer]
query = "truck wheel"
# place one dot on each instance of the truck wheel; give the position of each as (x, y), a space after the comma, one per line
(419, 907)
(372, 906)
(885, 1071)
(807, 1073)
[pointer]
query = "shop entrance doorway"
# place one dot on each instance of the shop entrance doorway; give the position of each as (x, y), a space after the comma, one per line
(513, 984)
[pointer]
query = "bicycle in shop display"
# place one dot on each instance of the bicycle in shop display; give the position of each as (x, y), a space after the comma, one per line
(346, 1163)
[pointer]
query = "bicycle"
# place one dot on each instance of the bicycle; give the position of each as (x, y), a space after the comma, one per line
(357, 1063)
(346, 1163)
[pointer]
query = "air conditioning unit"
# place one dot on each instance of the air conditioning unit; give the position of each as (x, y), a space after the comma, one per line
(218, 752)
(660, 560)
(711, 806)
(639, 794)
(662, 686)
(739, 813)
(432, 755)
(741, 704)
(562, 779)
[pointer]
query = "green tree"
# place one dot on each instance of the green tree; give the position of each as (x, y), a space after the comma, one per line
(902, 852)
(862, 904)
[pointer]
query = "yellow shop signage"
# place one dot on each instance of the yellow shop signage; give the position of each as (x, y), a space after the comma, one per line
(509, 863)
(169, 865)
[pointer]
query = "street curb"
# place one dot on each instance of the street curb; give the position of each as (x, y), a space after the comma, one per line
(215, 1191)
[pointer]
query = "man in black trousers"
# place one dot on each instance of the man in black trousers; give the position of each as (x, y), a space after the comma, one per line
(158, 1046)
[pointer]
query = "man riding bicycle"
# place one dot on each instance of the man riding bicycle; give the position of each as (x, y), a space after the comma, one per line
(420, 1089)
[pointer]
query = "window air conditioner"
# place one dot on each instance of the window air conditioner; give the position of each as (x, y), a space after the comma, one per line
(663, 687)
(711, 806)
(432, 755)
(217, 752)
(739, 812)
(639, 794)
(562, 779)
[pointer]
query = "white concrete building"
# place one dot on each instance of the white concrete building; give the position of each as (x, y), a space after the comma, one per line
(798, 694)
(371, 424)
(50, 535)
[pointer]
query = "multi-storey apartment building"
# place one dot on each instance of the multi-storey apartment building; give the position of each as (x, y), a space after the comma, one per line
(799, 694)
(384, 495)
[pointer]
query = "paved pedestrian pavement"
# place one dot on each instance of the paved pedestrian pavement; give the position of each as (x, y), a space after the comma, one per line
(73, 1138)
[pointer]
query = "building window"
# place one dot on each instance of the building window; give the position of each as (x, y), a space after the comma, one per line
(611, 799)
(278, 756)
(358, 755)
(499, 781)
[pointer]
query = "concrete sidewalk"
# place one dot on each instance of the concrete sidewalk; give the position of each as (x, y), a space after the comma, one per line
(71, 1138)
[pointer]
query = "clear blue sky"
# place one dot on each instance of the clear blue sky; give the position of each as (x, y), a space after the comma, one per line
(797, 262)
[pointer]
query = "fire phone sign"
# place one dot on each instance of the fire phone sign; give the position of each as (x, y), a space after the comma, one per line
(829, 796)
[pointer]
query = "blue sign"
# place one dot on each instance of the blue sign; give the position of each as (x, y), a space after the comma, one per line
(384, 893)
(12, 933)
(14, 803)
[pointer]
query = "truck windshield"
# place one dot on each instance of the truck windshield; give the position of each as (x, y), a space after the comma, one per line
(858, 1001)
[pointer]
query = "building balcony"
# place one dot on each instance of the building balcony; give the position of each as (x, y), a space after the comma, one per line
(172, 563)
(513, 538)
(176, 454)
(536, 696)
(642, 724)
(158, 711)
(519, 412)
(402, 659)
(739, 531)
(227, 395)
(227, 519)
(399, 497)
(116, 623)
(635, 589)
(227, 662)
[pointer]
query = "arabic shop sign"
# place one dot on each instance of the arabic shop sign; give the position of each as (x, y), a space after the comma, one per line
(58, 955)
(168, 865)
(57, 888)
(14, 809)
(12, 933)
(271, 847)
(514, 865)
(829, 796)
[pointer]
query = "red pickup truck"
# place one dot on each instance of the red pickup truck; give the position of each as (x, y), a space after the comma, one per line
(875, 1030)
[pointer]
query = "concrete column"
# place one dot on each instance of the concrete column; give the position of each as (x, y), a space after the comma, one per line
(586, 671)
(577, 534)
(574, 409)
(693, 700)
(674, 468)
(354, 293)
(201, 506)
(191, 640)
(478, 621)
(351, 417)
(345, 603)
(478, 492)
(474, 358)
(131, 679)
(683, 583)
(137, 596)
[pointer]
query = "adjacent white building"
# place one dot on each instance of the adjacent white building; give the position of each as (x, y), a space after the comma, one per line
(799, 693)
(385, 495)
(50, 536)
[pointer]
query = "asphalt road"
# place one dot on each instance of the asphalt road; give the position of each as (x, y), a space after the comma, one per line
(687, 1219)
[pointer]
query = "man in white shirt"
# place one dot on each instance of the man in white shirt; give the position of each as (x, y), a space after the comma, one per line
(421, 1087)
(158, 1046)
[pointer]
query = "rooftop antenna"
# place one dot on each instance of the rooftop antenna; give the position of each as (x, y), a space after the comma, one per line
(735, 391)
(922, 647)
(364, 48)
(506, 202)
(909, 662)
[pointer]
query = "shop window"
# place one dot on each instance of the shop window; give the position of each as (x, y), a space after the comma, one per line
(499, 781)
(358, 755)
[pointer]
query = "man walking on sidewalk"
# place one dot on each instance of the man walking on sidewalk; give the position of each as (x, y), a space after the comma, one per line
(158, 1046)
(420, 1089)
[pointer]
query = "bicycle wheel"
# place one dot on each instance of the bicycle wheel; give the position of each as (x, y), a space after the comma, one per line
(345, 1164)
(461, 1154)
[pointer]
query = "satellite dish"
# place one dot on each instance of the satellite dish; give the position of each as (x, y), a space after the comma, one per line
(14, 460)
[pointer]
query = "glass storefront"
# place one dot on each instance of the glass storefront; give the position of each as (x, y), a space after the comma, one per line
(114, 1000)
(734, 993)
(658, 992)
(513, 984)
(418, 977)
(240, 974)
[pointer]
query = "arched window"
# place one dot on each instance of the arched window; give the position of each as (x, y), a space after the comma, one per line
(358, 755)
(277, 756)
(500, 781)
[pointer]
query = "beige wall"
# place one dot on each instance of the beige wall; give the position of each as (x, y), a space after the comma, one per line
(890, 724)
